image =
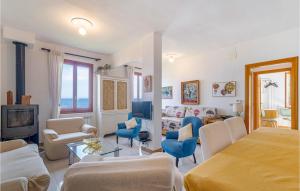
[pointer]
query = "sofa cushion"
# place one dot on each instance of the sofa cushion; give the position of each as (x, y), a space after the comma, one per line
(71, 137)
(171, 123)
(24, 162)
(175, 111)
(194, 112)
(201, 112)
(65, 125)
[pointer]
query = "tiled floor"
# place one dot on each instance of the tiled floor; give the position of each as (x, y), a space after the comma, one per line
(58, 168)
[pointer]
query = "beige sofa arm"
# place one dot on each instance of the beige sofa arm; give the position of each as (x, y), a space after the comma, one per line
(89, 129)
(50, 134)
(11, 145)
(16, 184)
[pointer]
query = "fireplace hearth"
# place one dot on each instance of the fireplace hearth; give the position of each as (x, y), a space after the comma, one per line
(20, 122)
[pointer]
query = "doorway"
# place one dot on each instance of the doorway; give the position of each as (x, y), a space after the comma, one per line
(271, 94)
(273, 89)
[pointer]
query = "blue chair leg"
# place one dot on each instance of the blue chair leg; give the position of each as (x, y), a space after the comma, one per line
(117, 139)
(131, 142)
(177, 160)
(194, 158)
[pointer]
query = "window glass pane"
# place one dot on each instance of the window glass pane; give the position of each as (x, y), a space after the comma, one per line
(82, 87)
(67, 87)
(135, 87)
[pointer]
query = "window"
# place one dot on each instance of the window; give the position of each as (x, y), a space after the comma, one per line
(137, 85)
(76, 87)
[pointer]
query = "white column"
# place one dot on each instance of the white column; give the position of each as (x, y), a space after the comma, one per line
(152, 65)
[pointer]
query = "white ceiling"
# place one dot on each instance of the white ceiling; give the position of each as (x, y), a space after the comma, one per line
(186, 25)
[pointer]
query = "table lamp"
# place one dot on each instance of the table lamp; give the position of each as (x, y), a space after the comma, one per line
(237, 108)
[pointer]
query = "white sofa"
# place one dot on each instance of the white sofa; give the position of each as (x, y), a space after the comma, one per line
(156, 172)
(60, 132)
(22, 169)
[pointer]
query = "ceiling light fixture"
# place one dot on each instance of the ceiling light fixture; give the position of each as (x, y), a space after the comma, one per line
(82, 24)
(171, 57)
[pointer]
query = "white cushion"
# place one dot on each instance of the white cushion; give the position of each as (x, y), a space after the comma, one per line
(214, 138)
(65, 125)
(185, 132)
(131, 123)
(22, 162)
(236, 127)
(153, 172)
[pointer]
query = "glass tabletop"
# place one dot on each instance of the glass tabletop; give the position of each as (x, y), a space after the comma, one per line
(81, 149)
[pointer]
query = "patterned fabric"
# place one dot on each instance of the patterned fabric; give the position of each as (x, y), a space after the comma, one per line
(175, 111)
(201, 112)
(173, 115)
(171, 123)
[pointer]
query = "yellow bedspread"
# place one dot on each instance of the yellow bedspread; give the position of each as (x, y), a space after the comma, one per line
(266, 160)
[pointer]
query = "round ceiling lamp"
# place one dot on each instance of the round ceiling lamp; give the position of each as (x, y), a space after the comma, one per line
(171, 57)
(82, 24)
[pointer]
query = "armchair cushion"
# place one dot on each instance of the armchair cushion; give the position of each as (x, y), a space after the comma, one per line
(12, 145)
(128, 133)
(50, 133)
(65, 125)
(71, 137)
(185, 132)
(131, 123)
(89, 129)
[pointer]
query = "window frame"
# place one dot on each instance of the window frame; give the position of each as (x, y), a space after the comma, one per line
(139, 94)
(74, 109)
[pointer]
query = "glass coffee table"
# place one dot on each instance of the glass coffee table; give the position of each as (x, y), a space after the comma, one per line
(78, 150)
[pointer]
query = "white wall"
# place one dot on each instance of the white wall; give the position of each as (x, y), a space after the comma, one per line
(225, 65)
(36, 73)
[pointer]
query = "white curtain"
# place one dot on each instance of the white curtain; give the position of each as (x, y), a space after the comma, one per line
(55, 64)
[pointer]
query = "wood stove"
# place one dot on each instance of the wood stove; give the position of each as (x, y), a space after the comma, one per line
(20, 121)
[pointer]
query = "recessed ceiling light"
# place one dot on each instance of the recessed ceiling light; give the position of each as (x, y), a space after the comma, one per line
(82, 24)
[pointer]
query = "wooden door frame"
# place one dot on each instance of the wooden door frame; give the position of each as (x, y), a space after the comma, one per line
(294, 88)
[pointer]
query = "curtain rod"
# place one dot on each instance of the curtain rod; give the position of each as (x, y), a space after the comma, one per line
(96, 59)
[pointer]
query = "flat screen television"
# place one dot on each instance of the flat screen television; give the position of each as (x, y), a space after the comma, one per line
(142, 109)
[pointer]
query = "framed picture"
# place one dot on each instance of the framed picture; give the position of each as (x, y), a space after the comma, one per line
(147, 83)
(224, 89)
(167, 92)
(190, 92)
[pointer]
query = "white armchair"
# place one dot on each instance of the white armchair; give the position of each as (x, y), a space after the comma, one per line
(214, 138)
(236, 127)
(62, 131)
(156, 172)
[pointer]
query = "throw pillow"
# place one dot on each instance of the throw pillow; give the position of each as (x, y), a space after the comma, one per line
(185, 132)
(131, 123)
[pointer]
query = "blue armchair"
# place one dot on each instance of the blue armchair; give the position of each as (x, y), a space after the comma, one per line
(128, 133)
(180, 149)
